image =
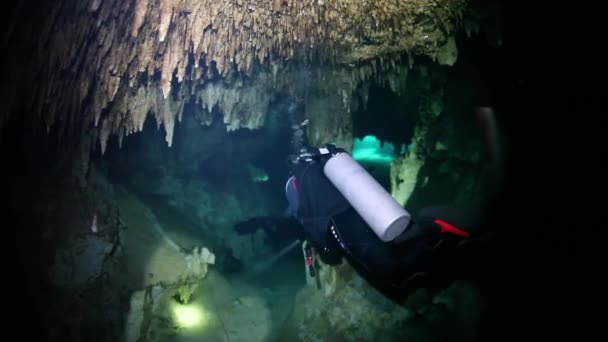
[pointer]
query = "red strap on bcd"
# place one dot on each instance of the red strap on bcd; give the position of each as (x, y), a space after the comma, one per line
(450, 228)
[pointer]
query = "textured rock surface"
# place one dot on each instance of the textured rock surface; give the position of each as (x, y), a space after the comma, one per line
(447, 162)
(404, 177)
(108, 64)
(81, 262)
(83, 266)
(329, 122)
(218, 311)
(346, 308)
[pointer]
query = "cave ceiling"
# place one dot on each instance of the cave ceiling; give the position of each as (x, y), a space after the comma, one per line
(102, 66)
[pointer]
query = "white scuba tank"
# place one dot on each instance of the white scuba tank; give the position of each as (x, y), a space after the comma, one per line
(385, 216)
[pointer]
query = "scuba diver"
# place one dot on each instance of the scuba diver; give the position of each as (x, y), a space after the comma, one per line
(346, 213)
(342, 212)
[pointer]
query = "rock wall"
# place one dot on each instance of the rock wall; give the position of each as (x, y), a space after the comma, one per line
(448, 162)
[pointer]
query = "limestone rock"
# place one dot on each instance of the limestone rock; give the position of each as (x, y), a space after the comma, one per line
(141, 303)
(134, 317)
(448, 53)
(329, 122)
(111, 63)
(197, 263)
(346, 309)
(80, 262)
(404, 177)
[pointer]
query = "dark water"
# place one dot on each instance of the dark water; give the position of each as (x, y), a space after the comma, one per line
(380, 171)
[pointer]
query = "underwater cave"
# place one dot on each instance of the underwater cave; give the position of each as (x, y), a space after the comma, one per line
(148, 148)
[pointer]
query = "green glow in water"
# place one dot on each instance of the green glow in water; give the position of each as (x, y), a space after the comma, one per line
(368, 149)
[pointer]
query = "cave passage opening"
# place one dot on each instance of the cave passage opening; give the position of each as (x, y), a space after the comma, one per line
(211, 178)
(383, 129)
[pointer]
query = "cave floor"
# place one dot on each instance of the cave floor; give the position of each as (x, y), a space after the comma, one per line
(151, 250)
(236, 308)
(244, 309)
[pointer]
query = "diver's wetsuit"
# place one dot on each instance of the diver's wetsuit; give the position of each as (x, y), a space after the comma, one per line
(336, 229)
(393, 262)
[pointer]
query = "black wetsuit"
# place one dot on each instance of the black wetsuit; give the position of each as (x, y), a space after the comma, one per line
(337, 230)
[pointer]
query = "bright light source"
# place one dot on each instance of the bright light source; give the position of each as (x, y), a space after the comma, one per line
(368, 149)
(188, 316)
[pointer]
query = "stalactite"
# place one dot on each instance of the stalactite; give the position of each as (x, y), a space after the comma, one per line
(166, 11)
(104, 133)
(114, 43)
(141, 7)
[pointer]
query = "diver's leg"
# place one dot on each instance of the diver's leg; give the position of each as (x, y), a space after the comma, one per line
(394, 263)
(363, 246)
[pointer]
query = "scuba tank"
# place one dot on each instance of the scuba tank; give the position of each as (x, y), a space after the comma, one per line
(385, 216)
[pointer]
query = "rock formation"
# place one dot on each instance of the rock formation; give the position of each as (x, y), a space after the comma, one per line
(107, 64)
